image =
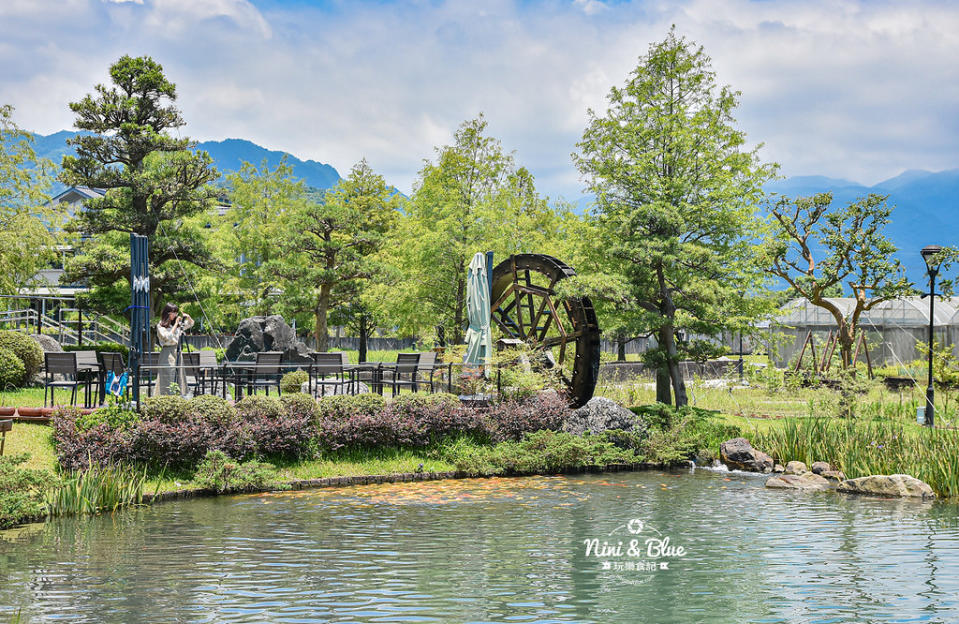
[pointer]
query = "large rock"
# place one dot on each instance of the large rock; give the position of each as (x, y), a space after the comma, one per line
(266, 333)
(49, 344)
(820, 467)
(806, 481)
(897, 485)
(796, 468)
(738, 453)
(600, 414)
(833, 475)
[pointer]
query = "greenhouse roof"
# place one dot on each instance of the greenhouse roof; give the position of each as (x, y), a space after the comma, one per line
(904, 312)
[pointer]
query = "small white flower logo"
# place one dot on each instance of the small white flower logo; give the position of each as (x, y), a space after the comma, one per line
(635, 526)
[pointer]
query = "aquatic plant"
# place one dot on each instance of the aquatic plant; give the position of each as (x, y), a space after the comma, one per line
(96, 489)
(861, 448)
(21, 490)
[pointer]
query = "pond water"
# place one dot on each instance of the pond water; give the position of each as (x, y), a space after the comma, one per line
(497, 550)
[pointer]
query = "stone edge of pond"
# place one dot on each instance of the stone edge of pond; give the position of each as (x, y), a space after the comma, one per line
(400, 477)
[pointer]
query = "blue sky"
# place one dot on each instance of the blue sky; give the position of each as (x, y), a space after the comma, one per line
(860, 90)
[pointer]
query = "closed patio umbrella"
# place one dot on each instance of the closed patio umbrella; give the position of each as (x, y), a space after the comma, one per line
(479, 339)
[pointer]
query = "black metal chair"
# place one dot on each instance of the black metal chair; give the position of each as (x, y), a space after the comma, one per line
(208, 371)
(406, 372)
(326, 369)
(191, 370)
(64, 364)
(267, 374)
(149, 361)
(427, 369)
(109, 362)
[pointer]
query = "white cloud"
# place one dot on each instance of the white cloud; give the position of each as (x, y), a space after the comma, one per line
(849, 89)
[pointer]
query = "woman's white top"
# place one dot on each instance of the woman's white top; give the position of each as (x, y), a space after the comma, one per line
(170, 336)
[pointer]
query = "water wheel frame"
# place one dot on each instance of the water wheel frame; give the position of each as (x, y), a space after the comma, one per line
(514, 310)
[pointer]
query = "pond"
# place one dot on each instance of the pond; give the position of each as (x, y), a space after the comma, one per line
(539, 549)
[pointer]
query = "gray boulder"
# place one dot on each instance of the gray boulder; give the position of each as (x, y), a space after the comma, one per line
(738, 453)
(601, 414)
(833, 475)
(820, 467)
(807, 481)
(796, 468)
(266, 333)
(897, 485)
(49, 344)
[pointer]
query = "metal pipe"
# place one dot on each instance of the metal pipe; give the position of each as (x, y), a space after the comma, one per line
(930, 390)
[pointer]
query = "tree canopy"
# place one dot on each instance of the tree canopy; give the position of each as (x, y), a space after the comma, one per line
(151, 178)
(676, 196)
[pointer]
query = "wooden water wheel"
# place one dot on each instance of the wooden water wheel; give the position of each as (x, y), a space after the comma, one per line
(564, 331)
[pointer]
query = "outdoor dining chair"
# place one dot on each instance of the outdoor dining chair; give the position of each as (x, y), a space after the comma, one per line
(110, 361)
(405, 373)
(267, 373)
(149, 360)
(65, 366)
(426, 369)
(191, 370)
(327, 369)
(208, 372)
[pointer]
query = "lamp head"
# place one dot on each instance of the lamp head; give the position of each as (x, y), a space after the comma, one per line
(929, 253)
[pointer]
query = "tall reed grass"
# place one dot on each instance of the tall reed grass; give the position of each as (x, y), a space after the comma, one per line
(861, 448)
(96, 489)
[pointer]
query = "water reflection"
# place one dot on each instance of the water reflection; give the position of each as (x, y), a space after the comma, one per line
(494, 550)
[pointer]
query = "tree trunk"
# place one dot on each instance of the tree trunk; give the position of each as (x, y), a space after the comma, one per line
(321, 335)
(363, 338)
(458, 315)
(620, 349)
(668, 342)
(663, 391)
(846, 337)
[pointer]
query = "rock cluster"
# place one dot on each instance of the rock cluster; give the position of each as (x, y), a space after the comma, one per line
(738, 453)
(266, 333)
(601, 414)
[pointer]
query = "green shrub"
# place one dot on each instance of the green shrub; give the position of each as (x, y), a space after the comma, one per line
(343, 406)
(21, 491)
(294, 380)
(168, 409)
(259, 406)
(211, 409)
(113, 415)
(542, 451)
(415, 403)
(101, 347)
(25, 348)
(300, 405)
(218, 472)
(12, 370)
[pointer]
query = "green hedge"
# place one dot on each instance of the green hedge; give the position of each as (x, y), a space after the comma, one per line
(27, 349)
(101, 347)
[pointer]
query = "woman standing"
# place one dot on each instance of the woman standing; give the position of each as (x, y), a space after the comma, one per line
(169, 330)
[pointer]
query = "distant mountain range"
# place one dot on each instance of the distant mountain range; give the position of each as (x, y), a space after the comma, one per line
(229, 156)
(926, 208)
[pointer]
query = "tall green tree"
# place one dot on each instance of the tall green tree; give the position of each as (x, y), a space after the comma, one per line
(248, 242)
(153, 183)
(473, 198)
(27, 222)
(820, 250)
(676, 197)
(330, 246)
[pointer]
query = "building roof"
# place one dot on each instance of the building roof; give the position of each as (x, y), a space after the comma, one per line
(903, 312)
(77, 193)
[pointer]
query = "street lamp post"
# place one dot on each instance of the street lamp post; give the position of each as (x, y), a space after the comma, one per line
(930, 254)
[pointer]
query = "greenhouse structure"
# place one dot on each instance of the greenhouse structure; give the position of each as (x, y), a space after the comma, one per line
(893, 328)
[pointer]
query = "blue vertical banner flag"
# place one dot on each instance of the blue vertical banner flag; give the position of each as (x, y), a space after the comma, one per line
(139, 306)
